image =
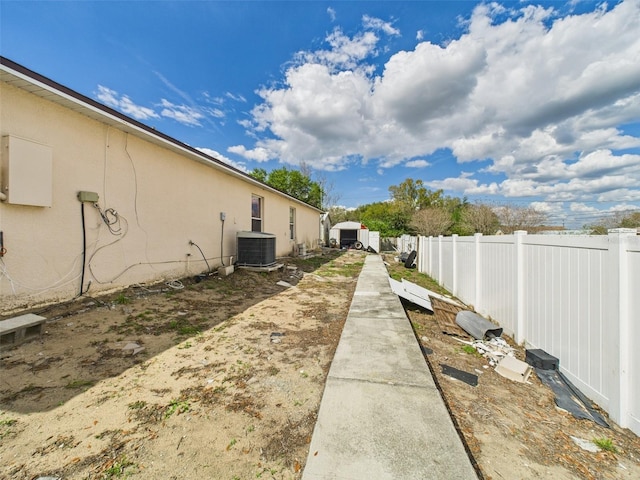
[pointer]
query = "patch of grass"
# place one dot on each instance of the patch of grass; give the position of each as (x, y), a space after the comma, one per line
(345, 270)
(118, 468)
(182, 327)
(122, 299)
(231, 443)
(137, 405)
(176, 406)
(185, 345)
(605, 444)
(79, 384)
(470, 350)
(5, 427)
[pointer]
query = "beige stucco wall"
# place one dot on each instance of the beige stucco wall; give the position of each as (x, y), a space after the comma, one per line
(164, 200)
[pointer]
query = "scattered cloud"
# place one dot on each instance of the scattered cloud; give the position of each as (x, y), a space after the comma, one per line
(123, 103)
(218, 156)
(181, 113)
(332, 14)
(373, 23)
(417, 164)
(257, 154)
(539, 95)
(235, 98)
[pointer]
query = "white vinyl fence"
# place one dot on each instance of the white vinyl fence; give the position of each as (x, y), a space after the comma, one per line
(576, 297)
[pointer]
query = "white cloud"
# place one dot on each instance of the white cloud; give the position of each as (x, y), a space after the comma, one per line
(464, 185)
(123, 103)
(181, 113)
(332, 14)
(235, 98)
(541, 96)
(377, 24)
(417, 164)
(420, 35)
(218, 156)
(256, 154)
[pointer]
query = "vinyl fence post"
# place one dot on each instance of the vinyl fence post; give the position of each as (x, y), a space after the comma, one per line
(430, 264)
(619, 297)
(477, 294)
(519, 333)
(454, 264)
(440, 276)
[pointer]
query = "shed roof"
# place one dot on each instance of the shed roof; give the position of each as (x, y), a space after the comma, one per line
(21, 77)
(349, 226)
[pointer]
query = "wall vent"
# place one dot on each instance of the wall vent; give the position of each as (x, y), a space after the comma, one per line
(256, 249)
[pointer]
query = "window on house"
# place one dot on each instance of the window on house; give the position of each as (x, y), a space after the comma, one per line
(292, 223)
(256, 213)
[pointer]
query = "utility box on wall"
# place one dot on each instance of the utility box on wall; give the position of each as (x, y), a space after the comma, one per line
(26, 172)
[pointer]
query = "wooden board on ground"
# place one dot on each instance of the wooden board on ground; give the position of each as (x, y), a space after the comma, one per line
(445, 314)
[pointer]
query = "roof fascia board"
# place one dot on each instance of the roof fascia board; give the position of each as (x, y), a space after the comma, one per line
(127, 124)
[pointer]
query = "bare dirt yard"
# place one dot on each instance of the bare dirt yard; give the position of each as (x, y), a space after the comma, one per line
(222, 379)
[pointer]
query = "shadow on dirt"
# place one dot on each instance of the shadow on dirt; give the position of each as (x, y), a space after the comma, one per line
(92, 339)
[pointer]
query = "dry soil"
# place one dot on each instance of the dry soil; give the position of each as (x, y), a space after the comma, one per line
(222, 379)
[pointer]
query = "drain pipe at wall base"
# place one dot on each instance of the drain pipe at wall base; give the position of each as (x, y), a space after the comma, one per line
(223, 216)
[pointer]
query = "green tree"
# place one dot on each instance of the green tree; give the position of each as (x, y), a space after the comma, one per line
(292, 182)
(413, 195)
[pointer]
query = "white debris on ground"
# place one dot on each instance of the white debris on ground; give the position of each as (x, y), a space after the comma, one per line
(493, 350)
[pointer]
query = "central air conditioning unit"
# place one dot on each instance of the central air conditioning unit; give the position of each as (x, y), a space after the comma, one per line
(256, 249)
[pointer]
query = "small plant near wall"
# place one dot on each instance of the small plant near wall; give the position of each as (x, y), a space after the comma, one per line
(605, 444)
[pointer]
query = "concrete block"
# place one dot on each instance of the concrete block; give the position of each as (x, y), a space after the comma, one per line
(17, 329)
(225, 271)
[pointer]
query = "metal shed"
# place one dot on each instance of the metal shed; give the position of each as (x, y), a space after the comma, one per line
(349, 235)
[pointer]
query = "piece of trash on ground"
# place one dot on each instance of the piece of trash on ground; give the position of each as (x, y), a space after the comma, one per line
(476, 326)
(466, 377)
(514, 369)
(587, 445)
(568, 397)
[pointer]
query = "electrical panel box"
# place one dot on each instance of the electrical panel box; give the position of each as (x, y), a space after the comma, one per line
(91, 197)
(26, 172)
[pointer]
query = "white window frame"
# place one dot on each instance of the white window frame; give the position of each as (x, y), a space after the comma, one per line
(257, 222)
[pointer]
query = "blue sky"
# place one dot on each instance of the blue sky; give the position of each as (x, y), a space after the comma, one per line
(522, 103)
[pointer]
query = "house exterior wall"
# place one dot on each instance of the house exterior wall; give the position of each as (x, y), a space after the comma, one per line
(163, 201)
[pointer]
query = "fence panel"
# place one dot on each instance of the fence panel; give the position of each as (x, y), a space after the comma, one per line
(572, 296)
(496, 297)
(562, 305)
(633, 336)
(447, 259)
(465, 267)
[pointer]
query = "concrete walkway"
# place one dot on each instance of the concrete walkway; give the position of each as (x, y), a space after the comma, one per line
(381, 415)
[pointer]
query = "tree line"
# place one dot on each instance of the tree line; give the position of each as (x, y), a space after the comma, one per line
(415, 210)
